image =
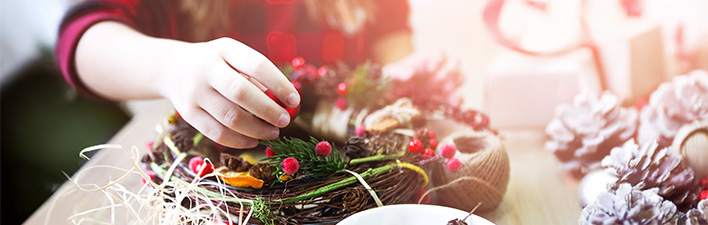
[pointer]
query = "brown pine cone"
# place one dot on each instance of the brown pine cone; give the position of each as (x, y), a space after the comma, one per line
(626, 205)
(584, 132)
(672, 105)
(699, 215)
(234, 163)
(649, 166)
(263, 171)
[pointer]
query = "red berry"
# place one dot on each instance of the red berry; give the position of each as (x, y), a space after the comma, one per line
(704, 183)
(419, 195)
(429, 152)
(322, 71)
(453, 164)
(431, 133)
(290, 165)
(341, 104)
(195, 162)
(342, 88)
(297, 62)
(151, 175)
(150, 144)
(205, 169)
(270, 153)
(433, 143)
(292, 111)
(359, 131)
(448, 150)
(704, 195)
(415, 146)
(323, 149)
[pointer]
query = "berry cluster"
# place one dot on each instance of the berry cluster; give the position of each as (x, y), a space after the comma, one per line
(291, 165)
(424, 143)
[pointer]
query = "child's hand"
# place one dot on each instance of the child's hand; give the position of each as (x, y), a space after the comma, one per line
(218, 87)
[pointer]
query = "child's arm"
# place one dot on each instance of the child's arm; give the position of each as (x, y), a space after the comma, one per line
(201, 79)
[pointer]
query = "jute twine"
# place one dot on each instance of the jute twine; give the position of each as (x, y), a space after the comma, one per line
(484, 174)
(483, 177)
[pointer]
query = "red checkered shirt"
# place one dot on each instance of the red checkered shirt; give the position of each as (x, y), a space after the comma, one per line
(278, 29)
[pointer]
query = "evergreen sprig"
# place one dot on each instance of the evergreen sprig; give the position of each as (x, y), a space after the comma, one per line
(364, 89)
(310, 163)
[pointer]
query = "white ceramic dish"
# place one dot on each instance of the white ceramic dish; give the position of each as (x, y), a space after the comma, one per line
(411, 214)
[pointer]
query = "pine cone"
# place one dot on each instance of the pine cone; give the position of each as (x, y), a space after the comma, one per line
(625, 205)
(583, 133)
(263, 171)
(234, 163)
(356, 147)
(673, 105)
(699, 215)
(651, 167)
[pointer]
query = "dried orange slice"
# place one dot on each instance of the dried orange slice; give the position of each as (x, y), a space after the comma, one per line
(238, 179)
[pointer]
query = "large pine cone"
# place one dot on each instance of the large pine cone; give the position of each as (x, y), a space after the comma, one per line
(699, 215)
(649, 167)
(625, 205)
(673, 105)
(583, 133)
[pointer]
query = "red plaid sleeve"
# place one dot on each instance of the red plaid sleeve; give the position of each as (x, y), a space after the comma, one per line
(149, 18)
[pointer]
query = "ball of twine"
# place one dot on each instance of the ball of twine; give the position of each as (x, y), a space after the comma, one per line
(483, 177)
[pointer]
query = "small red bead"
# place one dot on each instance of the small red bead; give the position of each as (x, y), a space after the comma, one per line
(290, 165)
(453, 164)
(323, 149)
(297, 62)
(425, 199)
(448, 150)
(704, 183)
(431, 133)
(433, 143)
(342, 88)
(704, 195)
(270, 153)
(360, 130)
(341, 104)
(150, 144)
(194, 163)
(322, 70)
(429, 152)
(415, 146)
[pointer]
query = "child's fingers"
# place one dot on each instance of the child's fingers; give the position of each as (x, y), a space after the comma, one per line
(248, 61)
(217, 132)
(240, 91)
(232, 116)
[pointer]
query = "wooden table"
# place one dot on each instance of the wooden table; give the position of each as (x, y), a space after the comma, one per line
(539, 193)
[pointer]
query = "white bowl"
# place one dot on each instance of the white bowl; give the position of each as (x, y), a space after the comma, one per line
(412, 214)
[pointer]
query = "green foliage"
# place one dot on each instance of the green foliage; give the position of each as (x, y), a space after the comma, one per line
(262, 212)
(363, 90)
(310, 163)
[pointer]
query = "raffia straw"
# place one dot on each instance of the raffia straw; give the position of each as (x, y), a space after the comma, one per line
(368, 188)
(155, 205)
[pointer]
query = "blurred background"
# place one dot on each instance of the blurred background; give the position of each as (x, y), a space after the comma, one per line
(546, 51)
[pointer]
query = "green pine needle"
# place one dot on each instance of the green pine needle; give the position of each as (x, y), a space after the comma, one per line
(310, 163)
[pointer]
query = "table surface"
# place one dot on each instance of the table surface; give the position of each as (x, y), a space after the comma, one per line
(539, 192)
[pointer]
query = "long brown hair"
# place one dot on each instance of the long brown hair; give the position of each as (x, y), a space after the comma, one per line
(208, 17)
